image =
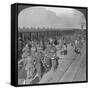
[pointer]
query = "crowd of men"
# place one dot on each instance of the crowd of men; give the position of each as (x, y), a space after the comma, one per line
(39, 57)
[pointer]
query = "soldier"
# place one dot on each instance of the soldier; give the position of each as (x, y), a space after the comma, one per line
(51, 52)
(24, 55)
(65, 48)
(46, 62)
(77, 48)
(26, 51)
(37, 64)
(27, 63)
(29, 67)
(51, 41)
(59, 45)
(37, 58)
(54, 59)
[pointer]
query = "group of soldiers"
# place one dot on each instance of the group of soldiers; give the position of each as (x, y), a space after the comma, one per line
(38, 58)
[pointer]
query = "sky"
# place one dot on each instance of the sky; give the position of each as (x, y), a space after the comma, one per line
(51, 17)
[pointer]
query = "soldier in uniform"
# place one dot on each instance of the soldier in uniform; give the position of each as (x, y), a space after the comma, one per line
(37, 58)
(59, 47)
(77, 47)
(37, 64)
(29, 68)
(24, 54)
(27, 63)
(46, 61)
(54, 58)
(51, 53)
(64, 47)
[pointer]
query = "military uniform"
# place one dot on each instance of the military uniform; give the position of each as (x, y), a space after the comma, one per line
(54, 59)
(37, 57)
(28, 62)
(29, 67)
(51, 54)
(78, 46)
(47, 62)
